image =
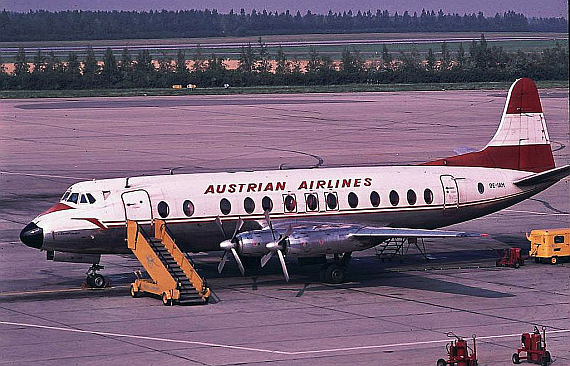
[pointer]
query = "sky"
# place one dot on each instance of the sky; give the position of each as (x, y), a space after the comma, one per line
(531, 8)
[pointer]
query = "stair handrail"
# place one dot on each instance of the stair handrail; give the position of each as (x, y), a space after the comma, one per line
(162, 232)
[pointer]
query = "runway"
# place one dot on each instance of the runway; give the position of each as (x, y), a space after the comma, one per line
(387, 313)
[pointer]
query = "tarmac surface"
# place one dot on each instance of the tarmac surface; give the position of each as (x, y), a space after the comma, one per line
(388, 313)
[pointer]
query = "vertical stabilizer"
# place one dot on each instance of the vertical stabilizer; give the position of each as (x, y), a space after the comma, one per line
(521, 141)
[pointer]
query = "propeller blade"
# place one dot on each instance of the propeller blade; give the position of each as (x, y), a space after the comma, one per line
(238, 261)
(223, 262)
(266, 258)
(282, 260)
(239, 224)
(288, 232)
(268, 219)
(219, 223)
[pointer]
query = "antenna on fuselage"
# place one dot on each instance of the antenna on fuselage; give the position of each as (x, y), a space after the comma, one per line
(127, 183)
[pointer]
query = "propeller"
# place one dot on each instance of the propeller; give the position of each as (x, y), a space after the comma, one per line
(229, 246)
(276, 246)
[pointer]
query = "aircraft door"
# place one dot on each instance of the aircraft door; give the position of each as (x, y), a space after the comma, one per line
(450, 194)
(137, 205)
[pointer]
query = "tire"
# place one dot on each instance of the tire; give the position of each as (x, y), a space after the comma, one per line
(536, 260)
(554, 260)
(516, 359)
(96, 281)
(165, 300)
(547, 357)
(498, 263)
(441, 362)
(335, 274)
(517, 264)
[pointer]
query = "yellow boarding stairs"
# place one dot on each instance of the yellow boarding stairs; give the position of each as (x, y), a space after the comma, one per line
(172, 273)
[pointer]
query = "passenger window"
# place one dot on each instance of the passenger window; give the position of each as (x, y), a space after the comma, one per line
(90, 198)
(248, 205)
(163, 209)
(83, 199)
(73, 197)
(188, 208)
(559, 239)
(394, 198)
(480, 187)
(428, 196)
(312, 202)
(374, 199)
(352, 200)
(290, 203)
(225, 206)
(332, 201)
(411, 196)
(267, 204)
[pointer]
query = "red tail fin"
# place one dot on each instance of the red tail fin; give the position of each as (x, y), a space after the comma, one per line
(521, 141)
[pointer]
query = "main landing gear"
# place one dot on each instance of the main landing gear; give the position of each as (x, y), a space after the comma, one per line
(94, 279)
(335, 272)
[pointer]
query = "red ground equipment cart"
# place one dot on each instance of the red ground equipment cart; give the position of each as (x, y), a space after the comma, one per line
(511, 257)
(458, 352)
(534, 345)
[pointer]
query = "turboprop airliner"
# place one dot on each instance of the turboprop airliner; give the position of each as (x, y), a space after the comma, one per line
(309, 214)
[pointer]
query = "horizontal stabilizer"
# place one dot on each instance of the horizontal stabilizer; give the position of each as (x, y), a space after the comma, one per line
(389, 232)
(549, 176)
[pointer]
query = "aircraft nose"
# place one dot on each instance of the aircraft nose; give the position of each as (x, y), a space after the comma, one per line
(32, 235)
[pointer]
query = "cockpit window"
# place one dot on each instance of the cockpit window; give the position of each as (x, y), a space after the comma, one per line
(65, 195)
(73, 197)
(90, 198)
(83, 199)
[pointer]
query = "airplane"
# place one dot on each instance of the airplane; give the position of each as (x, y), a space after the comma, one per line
(308, 214)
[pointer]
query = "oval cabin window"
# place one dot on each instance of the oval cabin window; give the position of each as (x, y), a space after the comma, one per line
(374, 199)
(225, 206)
(312, 202)
(411, 196)
(394, 198)
(352, 200)
(188, 208)
(163, 209)
(248, 205)
(428, 196)
(290, 203)
(267, 204)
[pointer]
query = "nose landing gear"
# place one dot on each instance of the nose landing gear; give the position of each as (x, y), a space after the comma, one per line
(94, 279)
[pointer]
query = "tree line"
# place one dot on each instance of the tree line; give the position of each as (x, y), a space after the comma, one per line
(88, 25)
(257, 66)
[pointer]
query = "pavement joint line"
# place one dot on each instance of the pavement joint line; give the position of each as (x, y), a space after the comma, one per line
(536, 213)
(261, 350)
(57, 291)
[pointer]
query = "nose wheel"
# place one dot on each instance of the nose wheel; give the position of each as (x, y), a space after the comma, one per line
(94, 279)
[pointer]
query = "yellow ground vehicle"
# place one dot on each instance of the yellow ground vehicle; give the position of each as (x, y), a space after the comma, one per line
(551, 245)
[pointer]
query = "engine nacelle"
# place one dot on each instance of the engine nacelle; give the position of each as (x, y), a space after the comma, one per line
(308, 242)
(73, 257)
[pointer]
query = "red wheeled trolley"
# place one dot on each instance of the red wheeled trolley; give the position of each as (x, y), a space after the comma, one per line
(458, 352)
(511, 257)
(534, 345)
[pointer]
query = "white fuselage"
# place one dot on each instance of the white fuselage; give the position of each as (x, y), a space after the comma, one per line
(405, 196)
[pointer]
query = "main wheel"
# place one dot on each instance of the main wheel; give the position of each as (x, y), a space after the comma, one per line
(547, 357)
(335, 274)
(554, 260)
(516, 359)
(165, 300)
(441, 362)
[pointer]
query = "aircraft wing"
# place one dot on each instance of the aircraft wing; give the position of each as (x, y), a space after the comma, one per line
(389, 232)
